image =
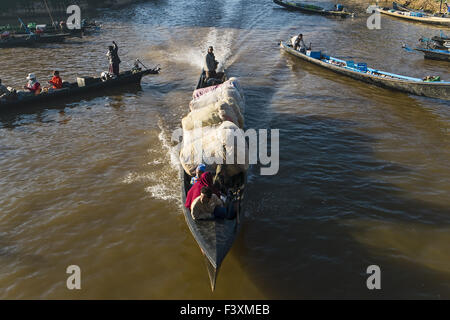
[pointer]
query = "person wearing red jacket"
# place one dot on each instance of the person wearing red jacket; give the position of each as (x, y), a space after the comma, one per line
(56, 80)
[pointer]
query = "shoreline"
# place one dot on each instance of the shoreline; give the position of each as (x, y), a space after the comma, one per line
(429, 6)
(30, 9)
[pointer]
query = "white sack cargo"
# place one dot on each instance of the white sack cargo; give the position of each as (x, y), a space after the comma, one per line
(214, 115)
(234, 82)
(215, 145)
(231, 83)
(218, 95)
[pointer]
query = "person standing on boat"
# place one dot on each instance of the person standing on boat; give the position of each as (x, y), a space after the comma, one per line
(210, 64)
(298, 43)
(33, 85)
(114, 60)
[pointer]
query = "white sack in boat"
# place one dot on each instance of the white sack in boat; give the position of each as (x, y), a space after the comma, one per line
(224, 144)
(214, 114)
(218, 95)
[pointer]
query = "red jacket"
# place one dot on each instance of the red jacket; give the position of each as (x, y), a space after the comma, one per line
(34, 87)
(56, 82)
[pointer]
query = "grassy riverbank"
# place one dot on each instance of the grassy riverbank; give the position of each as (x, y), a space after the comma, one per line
(432, 6)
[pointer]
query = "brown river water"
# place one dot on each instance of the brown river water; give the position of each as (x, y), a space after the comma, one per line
(364, 172)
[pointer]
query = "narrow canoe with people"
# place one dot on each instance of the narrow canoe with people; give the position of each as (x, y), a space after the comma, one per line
(436, 48)
(413, 16)
(429, 86)
(34, 95)
(213, 193)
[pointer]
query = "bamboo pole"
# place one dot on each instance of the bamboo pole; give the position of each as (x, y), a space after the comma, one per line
(48, 9)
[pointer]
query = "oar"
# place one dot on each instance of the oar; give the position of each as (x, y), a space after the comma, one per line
(53, 22)
(156, 67)
(141, 63)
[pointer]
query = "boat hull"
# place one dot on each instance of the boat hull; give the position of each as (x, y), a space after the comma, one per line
(435, 54)
(73, 92)
(25, 41)
(214, 237)
(440, 90)
(429, 20)
(312, 10)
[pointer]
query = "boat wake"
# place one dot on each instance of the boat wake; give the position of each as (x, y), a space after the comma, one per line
(167, 165)
(163, 182)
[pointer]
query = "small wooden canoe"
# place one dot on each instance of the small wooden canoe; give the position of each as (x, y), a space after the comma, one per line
(436, 89)
(424, 19)
(73, 91)
(215, 237)
(33, 40)
(435, 54)
(309, 8)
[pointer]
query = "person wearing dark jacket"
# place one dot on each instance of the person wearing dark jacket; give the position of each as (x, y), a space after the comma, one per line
(210, 64)
(114, 60)
(3, 90)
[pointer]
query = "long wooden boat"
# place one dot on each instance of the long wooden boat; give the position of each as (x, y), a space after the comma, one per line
(52, 31)
(424, 19)
(74, 90)
(27, 41)
(215, 237)
(420, 87)
(435, 54)
(309, 8)
(86, 28)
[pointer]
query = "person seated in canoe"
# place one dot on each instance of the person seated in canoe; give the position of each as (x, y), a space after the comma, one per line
(33, 85)
(338, 7)
(298, 43)
(208, 205)
(198, 173)
(114, 60)
(56, 81)
(7, 93)
(206, 180)
(210, 64)
(3, 90)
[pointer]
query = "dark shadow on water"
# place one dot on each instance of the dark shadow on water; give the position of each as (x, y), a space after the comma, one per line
(298, 240)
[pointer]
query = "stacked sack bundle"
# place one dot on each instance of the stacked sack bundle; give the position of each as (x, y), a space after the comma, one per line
(216, 117)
